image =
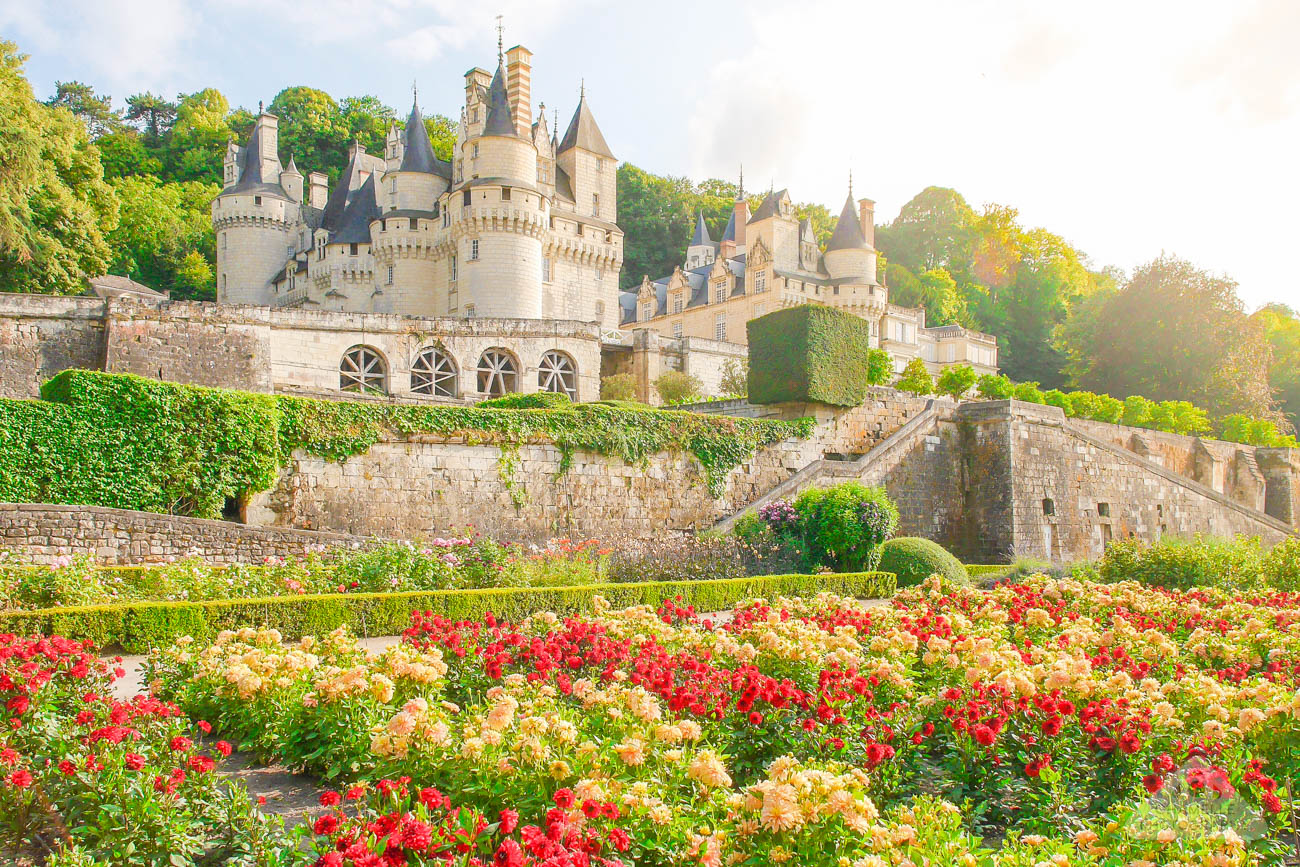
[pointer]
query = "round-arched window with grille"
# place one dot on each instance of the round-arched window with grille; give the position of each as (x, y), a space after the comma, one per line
(557, 373)
(434, 373)
(498, 373)
(363, 369)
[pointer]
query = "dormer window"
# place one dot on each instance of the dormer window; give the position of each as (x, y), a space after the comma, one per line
(677, 303)
(645, 311)
(719, 291)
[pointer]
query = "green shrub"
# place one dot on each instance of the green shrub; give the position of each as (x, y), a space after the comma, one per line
(1056, 397)
(809, 353)
(880, 367)
(138, 627)
(674, 386)
(1282, 565)
(619, 386)
(1238, 428)
(1137, 411)
(991, 387)
(536, 400)
(844, 526)
(915, 379)
(956, 381)
(914, 559)
(1029, 392)
(1181, 564)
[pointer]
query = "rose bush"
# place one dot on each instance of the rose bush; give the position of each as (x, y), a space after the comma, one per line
(1073, 722)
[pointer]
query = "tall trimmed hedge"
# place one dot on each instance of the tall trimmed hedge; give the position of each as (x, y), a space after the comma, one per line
(127, 442)
(137, 627)
(134, 443)
(809, 353)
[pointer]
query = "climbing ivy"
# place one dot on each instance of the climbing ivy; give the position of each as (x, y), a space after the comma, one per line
(128, 442)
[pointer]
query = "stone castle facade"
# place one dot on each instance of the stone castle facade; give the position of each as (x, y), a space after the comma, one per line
(770, 260)
(518, 224)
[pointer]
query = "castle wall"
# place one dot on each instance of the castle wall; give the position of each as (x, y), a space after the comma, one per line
(40, 533)
(43, 334)
(420, 489)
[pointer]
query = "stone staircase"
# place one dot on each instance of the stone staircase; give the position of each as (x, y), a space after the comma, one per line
(870, 468)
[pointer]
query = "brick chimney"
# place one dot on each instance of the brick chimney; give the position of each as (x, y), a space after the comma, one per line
(867, 217)
(317, 191)
(519, 88)
(742, 217)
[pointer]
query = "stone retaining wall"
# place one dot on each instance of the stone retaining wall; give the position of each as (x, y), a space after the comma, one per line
(41, 533)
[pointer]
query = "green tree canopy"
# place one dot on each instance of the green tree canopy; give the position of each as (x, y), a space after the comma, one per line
(95, 111)
(164, 236)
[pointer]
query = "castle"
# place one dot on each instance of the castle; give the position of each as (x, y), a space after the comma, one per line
(772, 260)
(519, 224)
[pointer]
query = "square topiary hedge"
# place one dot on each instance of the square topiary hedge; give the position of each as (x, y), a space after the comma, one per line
(809, 354)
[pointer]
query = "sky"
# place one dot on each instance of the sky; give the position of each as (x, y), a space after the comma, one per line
(1131, 128)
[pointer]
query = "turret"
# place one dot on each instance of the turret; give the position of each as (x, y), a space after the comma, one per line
(291, 180)
(252, 216)
(848, 255)
(701, 250)
(589, 164)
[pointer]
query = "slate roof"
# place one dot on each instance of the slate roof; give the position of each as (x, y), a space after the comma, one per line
(250, 170)
(418, 155)
(729, 233)
(500, 120)
(584, 133)
(768, 207)
(563, 185)
(848, 231)
(701, 237)
(354, 227)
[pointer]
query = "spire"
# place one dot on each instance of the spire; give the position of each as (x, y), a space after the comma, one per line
(418, 156)
(848, 230)
(501, 39)
(741, 196)
(701, 237)
(293, 167)
(500, 120)
(583, 132)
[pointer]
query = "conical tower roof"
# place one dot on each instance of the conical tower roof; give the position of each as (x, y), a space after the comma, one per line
(701, 237)
(500, 120)
(848, 231)
(418, 156)
(584, 133)
(729, 233)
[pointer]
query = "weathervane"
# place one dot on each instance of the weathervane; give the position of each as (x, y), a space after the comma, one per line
(501, 38)
(582, 88)
(742, 181)
(850, 183)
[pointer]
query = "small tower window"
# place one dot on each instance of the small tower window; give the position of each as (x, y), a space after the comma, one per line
(1103, 510)
(470, 311)
(595, 204)
(475, 150)
(352, 249)
(1049, 506)
(546, 269)
(473, 250)
(600, 165)
(453, 268)
(505, 194)
(390, 275)
(466, 198)
(257, 200)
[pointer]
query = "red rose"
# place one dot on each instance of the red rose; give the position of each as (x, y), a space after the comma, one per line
(180, 744)
(330, 799)
(134, 761)
(619, 838)
(416, 835)
(1153, 783)
(1052, 726)
(509, 821)
(20, 779)
(202, 764)
(326, 825)
(564, 798)
(224, 748)
(67, 768)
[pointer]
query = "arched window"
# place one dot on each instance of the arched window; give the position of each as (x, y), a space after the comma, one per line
(433, 373)
(557, 373)
(498, 373)
(363, 369)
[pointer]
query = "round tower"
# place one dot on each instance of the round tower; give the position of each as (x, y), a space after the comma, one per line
(499, 217)
(848, 255)
(252, 218)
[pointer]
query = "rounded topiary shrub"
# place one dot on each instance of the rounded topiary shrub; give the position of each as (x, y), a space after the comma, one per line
(913, 560)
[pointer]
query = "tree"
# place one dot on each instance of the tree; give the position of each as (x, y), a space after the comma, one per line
(124, 153)
(313, 130)
(1282, 328)
(196, 148)
(1029, 392)
(935, 290)
(164, 236)
(54, 203)
(674, 386)
(95, 111)
(956, 381)
(152, 114)
(880, 367)
(994, 387)
(442, 135)
(735, 378)
(1173, 332)
(933, 230)
(915, 379)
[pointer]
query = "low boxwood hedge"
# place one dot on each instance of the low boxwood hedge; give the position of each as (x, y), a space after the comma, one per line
(137, 627)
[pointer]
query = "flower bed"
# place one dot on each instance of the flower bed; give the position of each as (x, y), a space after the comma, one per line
(137, 627)
(1078, 723)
